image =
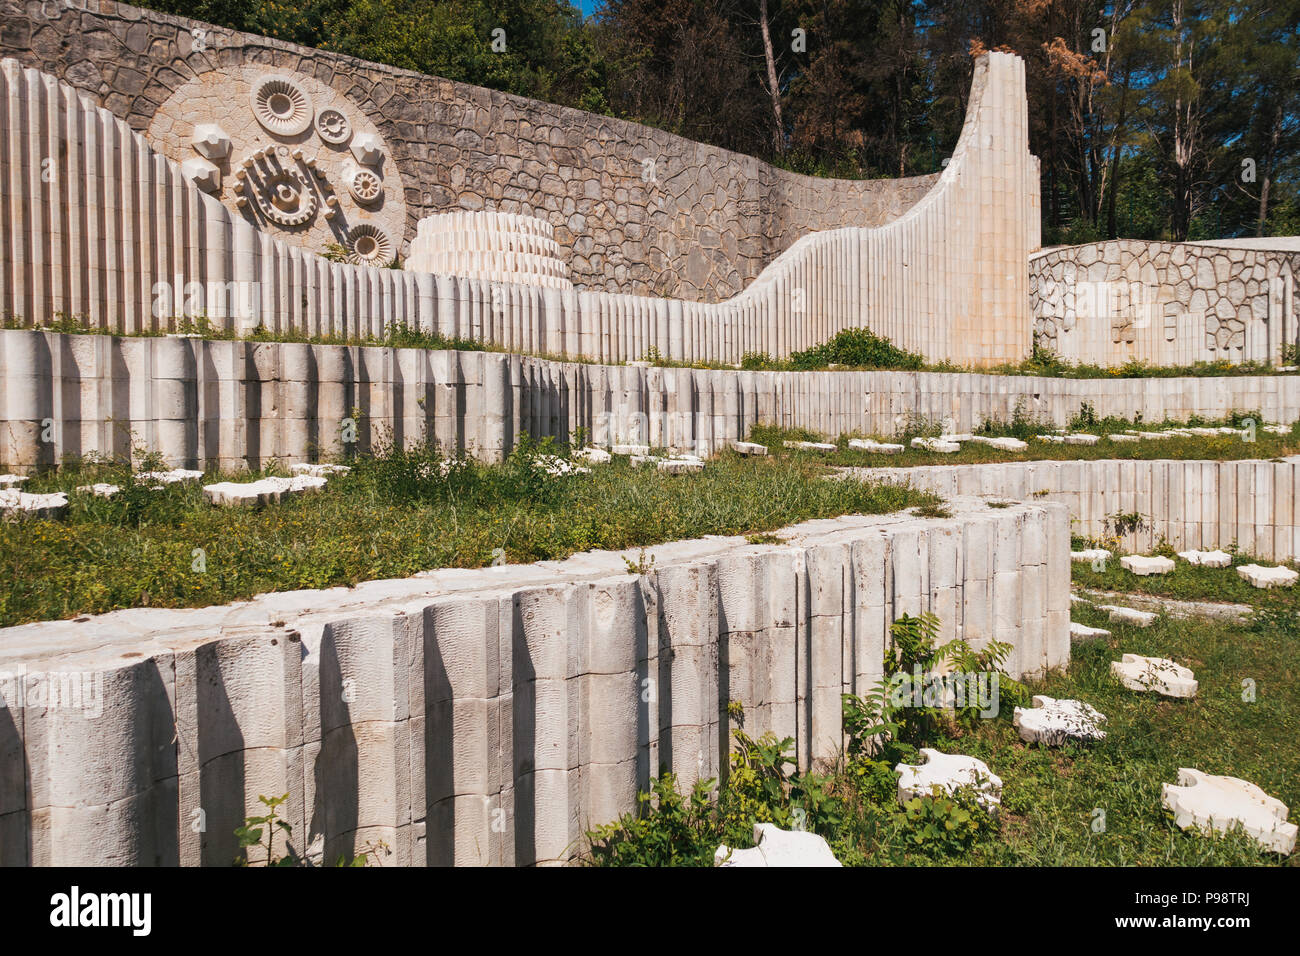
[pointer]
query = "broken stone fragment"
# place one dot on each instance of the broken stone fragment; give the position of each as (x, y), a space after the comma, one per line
(1052, 722)
(20, 504)
(820, 446)
(950, 773)
(936, 445)
(1123, 438)
(1205, 802)
(1143, 565)
(1081, 439)
(318, 471)
(1090, 554)
(597, 456)
(875, 447)
(749, 448)
(1002, 442)
(260, 492)
(1082, 632)
(1264, 577)
(630, 449)
(1128, 615)
(99, 490)
(680, 465)
(1156, 674)
(1207, 559)
(776, 847)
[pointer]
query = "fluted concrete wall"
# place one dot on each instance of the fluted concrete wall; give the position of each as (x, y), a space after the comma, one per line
(1189, 504)
(487, 716)
(230, 404)
(99, 227)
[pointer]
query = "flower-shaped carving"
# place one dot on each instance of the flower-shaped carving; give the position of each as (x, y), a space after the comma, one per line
(281, 105)
(333, 127)
(370, 245)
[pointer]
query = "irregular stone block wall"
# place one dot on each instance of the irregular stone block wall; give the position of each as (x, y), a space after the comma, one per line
(100, 227)
(1189, 504)
(1165, 303)
(234, 404)
(486, 716)
(699, 223)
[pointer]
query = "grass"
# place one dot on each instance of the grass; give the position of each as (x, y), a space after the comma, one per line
(394, 515)
(1079, 805)
(1217, 448)
(1189, 582)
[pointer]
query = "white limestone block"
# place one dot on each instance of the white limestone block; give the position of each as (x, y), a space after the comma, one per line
(1157, 674)
(679, 466)
(1207, 559)
(1002, 442)
(1081, 439)
(1153, 436)
(1053, 722)
(1264, 577)
(260, 492)
(211, 142)
(1200, 432)
(20, 504)
(749, 448)
(1143, 565)
(1123, 438)
(638, 460)
(367, 149)
(958, 437)
(1082, 632)
(821, 446)
(1207, 802)
(168, 477)
(936, 445)
(555, 465)
(597, 456)
(776, 847)
(1277, 429)
(99, 490)
(319, 470)
(949, 772)
(630, 449)
(1128, 615)
(205, 175)
(1051, 439)
(11, 481)
(875, 447)
(1090, 555)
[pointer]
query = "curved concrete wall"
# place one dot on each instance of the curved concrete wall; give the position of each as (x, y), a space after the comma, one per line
(235, 404)
(1166, 303)
(488, 716)
(698, 222)
(1187, 504)
(98, 226)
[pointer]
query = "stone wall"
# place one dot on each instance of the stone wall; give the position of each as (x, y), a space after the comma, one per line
(98, 226)
(243, 404)
(1187, 504)
(637, 210)
(1165, 303)
(486, 717)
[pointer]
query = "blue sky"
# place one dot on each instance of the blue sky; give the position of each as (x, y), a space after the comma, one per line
(586, 6)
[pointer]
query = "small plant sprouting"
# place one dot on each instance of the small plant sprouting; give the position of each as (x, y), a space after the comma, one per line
(640, 567)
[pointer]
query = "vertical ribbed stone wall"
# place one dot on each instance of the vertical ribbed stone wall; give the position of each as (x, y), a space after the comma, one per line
(227, 404)
(98, 227)
(1187, 504)
(487, 716)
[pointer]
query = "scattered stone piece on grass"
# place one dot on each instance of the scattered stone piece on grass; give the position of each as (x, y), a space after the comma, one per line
(1128, 615)
(1052, 722)
(1081, 439)
(318, 470)
(936, 445)
(1002, 442)
(1082, 632)
(21, 504)
(749, 448)
(875, 447)
(555, 465)
(160, 478)
(1206, 802)
(631, 449)
(1154, 436)
(1207, 559)
(949, 772)
(680, 465)
(1264, 577)
(1090, 554)
(99, 489)
(11, 481)
(957, 437)
(1201, 432)
(1143, 565)
(1053, 439)
(1156, 674)
(638, 460)
(776, 847)
(260, 492)
(1271, 429)
(597, 456)
(821, 446)
(1121, 438)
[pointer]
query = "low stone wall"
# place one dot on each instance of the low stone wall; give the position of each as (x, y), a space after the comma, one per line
(1189, 504)
(229, 404)
(1165, 303)
(486, 716)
